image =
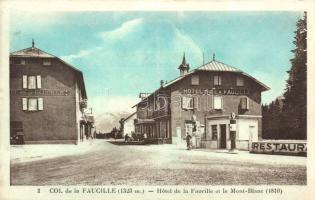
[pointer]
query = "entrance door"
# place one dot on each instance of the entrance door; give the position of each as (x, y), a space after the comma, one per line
(222, 136)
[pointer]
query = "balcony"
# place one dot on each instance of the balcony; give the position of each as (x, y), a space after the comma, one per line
(161, 112)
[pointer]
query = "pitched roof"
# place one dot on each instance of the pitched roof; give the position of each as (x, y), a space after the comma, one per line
(38, 53)
(31, 52)
(213, 66)
(217, 66)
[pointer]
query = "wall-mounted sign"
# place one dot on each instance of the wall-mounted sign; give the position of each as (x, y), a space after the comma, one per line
(279, 147)
(40, 92)
(221, 91)
(232, 127)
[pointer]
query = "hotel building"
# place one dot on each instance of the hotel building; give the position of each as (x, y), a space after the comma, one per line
(200, 102)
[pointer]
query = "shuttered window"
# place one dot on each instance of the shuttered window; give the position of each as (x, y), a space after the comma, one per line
(31, 82)
(244, 103)
(32, 104)
(217, 102)
(187, 103)
(217, 80)
(24, 81)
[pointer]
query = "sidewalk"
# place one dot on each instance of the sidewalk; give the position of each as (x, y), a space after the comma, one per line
(32, 152)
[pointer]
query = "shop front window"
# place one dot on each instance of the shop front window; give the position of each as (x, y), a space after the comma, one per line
(214, 132)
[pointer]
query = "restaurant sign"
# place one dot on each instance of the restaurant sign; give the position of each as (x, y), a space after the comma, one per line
(290, 148)
(40, 92)
(216, 91)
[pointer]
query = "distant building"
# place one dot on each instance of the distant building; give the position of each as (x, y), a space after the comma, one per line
(47, 99)
(127, 125)
(203, 99)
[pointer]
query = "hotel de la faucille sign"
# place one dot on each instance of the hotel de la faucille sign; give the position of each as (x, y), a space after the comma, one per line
(215, 91)
(41, 92)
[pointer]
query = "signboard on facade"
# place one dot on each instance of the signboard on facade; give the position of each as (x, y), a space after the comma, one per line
(40, 92)
(221, 91)
(290, 148)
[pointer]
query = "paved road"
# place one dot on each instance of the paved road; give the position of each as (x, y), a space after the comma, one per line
(159, 165)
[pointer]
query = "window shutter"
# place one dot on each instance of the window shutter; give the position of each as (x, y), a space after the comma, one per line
(219, 78)
(244, 103)
(196, 102)
(40, 104)
(24, 81)
(39, 81)
(24, 103)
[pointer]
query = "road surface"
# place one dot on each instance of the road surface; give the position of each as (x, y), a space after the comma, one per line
(110, 164)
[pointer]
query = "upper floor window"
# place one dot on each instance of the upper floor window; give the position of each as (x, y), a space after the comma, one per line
(17, 61)
(217, 102)
(46, 62)
(244, 103)
(32, 82)
(32, 104)
(195, 80)
(187, 103)
(217, 80)
(239, 81)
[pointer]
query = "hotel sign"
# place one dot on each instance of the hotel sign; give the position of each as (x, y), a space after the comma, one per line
(279, 147)
(40, 92)
(217, 91)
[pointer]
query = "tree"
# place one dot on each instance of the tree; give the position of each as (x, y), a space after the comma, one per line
(295, 96)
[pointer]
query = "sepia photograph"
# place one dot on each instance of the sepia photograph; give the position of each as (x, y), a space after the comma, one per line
(104, 101)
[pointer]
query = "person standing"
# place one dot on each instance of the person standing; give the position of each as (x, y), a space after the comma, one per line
(188, 141)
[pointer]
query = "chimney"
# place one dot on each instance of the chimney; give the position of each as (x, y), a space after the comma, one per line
(162, 83)
(184, 67)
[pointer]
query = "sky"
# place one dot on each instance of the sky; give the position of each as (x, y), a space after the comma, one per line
(124, 53)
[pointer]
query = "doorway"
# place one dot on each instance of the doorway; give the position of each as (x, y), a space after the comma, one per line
(222, 136)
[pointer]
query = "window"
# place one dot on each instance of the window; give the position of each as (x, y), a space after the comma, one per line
(32, 82)
(46, 62)
(217, 102)
(195, 80)
(32, 104)
(214, 131)
(22, 62)
(187, 103)
(239, 81)
(217, 80)
(244, 103)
